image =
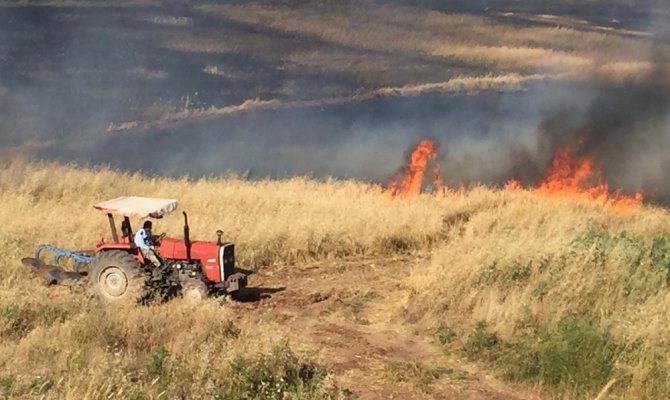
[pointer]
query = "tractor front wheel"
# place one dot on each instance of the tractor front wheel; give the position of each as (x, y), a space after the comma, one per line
(116, 277)
(194, 290)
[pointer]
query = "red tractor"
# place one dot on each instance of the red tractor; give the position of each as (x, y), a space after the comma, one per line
(118, 271)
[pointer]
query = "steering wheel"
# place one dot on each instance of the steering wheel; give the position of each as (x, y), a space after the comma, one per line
(158, 239)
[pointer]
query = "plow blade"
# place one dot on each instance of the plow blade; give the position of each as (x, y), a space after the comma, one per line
(53, 275)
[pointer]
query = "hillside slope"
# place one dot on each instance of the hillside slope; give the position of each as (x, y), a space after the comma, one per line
(423, 298)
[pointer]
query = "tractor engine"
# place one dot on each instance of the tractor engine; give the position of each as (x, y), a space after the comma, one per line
(175, 271)
(215, 262)
(212, 262)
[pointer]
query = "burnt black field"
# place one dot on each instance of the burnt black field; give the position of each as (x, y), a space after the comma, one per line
(67, 73)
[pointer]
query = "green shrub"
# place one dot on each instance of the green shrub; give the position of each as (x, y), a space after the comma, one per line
(445, 334)
(7, 385)
(505, 276)
(594, 235)
(660, 256)
(540, 290)
(480, 342)
(99, 328)
(488, 275)
(601, 243)
(358, 302)
(17, 320)
(281, 374)
(656, 382)
(158, 367)
(395, 244)
(576, 355)
(631, 256)
(222, 329)
(40, 385)
(516, 273)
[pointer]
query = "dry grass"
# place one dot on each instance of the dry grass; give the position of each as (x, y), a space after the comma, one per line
(63, 344)
(273, 221)
(74, 349)
(519, 262)
(525, 266)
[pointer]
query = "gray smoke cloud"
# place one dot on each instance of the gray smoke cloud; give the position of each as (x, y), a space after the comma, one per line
(624, 126)
(67, 72)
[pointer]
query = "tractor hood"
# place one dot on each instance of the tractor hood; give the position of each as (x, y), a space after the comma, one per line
(138, 206)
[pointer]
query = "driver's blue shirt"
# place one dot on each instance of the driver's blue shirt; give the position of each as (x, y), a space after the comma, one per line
(142, 239)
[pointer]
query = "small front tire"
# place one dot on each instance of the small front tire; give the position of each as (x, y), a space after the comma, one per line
(194, 290)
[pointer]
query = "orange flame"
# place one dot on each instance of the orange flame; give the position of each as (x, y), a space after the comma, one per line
(568, 177)
(407, 182)
(513, 185)
(579, 178)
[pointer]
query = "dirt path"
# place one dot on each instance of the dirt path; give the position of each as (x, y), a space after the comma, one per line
(350, 314)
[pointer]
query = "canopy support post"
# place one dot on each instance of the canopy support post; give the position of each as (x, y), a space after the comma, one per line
(115, 236)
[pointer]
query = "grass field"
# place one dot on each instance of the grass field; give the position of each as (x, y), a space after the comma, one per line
(508, 279)
(483, 292)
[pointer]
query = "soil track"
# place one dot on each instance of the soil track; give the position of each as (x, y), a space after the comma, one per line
(350, 315)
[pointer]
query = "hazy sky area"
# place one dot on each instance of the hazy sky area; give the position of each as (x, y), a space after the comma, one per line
(354, 85)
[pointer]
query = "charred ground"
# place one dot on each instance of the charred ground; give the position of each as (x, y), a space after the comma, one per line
(348, 86)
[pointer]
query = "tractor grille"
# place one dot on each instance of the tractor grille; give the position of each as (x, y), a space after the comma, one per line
(226, 260)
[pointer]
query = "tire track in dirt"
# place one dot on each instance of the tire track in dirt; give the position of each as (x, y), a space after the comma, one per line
(349, 314)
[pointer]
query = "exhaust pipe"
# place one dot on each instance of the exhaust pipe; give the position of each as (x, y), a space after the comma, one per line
(187, 238)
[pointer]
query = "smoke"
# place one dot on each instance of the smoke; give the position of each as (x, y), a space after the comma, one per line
(59, 68)
(625, 126)
(66, 73)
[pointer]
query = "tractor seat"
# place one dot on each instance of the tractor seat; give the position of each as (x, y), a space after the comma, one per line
(125, 230)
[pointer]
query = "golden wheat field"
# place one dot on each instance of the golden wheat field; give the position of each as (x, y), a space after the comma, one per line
(497, 277)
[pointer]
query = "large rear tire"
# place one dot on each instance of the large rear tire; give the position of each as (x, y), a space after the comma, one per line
(116, 277)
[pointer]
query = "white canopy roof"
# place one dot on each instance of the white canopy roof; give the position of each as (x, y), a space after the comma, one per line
(138, 206)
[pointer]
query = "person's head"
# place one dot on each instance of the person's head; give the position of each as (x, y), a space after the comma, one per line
(147, 226)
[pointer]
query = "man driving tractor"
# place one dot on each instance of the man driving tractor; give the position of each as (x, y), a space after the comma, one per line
(145, 242)
(130, 266)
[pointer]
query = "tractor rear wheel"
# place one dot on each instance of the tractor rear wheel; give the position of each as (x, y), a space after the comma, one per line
(116, 277)
(194, 290)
